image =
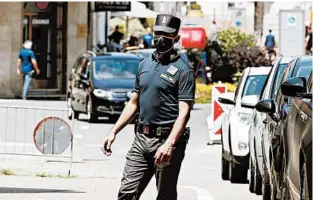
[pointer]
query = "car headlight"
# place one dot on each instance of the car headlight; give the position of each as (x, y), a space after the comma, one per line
(129, 94)
(245, 118)
(102, 93)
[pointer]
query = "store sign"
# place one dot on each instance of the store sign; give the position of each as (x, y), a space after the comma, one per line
(41, 21)
(112, 6)
(37, 21)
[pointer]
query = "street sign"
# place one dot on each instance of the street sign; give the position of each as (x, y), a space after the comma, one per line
(291, 33)
(118, 6)
(215, 121)
(52, 135)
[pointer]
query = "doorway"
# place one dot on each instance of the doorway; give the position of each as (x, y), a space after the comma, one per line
(37, 28)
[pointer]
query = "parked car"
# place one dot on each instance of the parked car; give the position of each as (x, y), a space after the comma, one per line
(101, 84)
(276, 110)
(269, 91)
(297, 139)
(236, 124)
(147, 52)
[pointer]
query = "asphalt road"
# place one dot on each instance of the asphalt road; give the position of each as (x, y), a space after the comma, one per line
(199, 178)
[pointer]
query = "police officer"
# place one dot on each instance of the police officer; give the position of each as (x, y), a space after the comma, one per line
(163, 93)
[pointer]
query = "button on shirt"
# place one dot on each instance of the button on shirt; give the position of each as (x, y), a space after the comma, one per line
(161, 87)
(26, 55)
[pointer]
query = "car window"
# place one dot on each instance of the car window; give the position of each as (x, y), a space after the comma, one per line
(277, 80)
(310, 84)
(82, 67)
(109, 68)
(254, 85)
(238, 87)
(303, 69)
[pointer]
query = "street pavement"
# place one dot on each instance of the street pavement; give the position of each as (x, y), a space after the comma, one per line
(97, 176)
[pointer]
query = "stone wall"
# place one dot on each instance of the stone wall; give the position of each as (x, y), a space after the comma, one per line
(77, 32)
(10, 45)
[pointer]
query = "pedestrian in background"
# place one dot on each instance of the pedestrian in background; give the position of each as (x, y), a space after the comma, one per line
(115, 39)
(27, 65)
(270, 44)
(164, 92)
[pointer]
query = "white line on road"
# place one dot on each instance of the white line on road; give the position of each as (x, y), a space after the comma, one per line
(78, 136)
(202, 194)
(84, 127)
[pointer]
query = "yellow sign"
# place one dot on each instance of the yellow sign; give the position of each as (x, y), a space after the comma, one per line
(81, 30)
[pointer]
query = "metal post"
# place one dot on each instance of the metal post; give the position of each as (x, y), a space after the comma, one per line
(72, 144)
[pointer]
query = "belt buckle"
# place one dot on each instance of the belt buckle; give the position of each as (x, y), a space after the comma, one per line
(145, 129)
(159, 131)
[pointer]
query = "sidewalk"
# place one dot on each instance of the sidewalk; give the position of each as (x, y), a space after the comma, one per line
(35, 188)
(59, 166)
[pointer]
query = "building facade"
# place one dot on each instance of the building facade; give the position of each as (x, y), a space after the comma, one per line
(59, 33)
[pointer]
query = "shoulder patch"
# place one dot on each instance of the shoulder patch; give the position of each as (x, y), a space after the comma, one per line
(172, 70)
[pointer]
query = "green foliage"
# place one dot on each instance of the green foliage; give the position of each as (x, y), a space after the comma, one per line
(195, 6)
(232, 38)
(204, 92)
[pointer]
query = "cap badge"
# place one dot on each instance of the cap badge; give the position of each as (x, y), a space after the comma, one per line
(164, 20)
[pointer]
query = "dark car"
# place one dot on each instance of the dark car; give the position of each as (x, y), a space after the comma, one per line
(147, 52)
(276, 110)
(101, 84)
(269, 92)
(297, 139)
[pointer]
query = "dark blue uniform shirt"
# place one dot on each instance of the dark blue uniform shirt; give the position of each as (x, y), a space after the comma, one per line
(26, 55)
(161, 87)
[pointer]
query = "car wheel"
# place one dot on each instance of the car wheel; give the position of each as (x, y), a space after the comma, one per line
(257, 180)
(70, 110)
(91, 117)
(304, 183)
(237, 173)
(251, 176)
(224, 167)
(266, 186)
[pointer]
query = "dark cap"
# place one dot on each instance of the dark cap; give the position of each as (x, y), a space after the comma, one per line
(167, 23)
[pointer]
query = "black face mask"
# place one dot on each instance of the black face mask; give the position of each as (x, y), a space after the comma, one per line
(163, 44)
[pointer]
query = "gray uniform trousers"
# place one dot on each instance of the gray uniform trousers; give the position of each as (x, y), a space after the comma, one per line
(140, 168)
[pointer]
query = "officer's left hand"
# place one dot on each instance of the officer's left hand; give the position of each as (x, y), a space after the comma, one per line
(164, 154)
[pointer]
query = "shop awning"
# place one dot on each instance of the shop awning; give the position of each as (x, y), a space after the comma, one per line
(138, 10)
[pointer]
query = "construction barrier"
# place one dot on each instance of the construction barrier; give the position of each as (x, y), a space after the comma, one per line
(215, 119)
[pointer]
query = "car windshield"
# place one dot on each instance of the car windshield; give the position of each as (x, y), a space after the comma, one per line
(304, 68)
(278, 79)
(254, 85)
(109, 68)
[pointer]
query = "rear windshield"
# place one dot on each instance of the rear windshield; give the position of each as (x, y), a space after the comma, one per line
(254, 85)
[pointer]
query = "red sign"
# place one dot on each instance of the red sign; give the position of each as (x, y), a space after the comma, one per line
(42, 5)
(193, 37)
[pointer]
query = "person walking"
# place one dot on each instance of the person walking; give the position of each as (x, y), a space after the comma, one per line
(27, 65)
(163, 93)
(270, 44)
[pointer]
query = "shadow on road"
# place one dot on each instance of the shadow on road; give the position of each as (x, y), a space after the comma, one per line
(34, 190)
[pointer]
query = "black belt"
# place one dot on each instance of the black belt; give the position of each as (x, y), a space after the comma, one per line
(154, 130)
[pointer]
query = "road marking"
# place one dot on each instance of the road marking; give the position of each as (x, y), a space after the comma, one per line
(78, 136)
(202, 194)
(84, 127)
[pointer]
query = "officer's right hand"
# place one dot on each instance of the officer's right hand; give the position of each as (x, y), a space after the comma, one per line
(107, 143)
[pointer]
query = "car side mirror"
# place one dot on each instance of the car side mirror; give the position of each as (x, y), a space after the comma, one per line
(249, 101)
(294, 87)
(226, 100)
(266, 106)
